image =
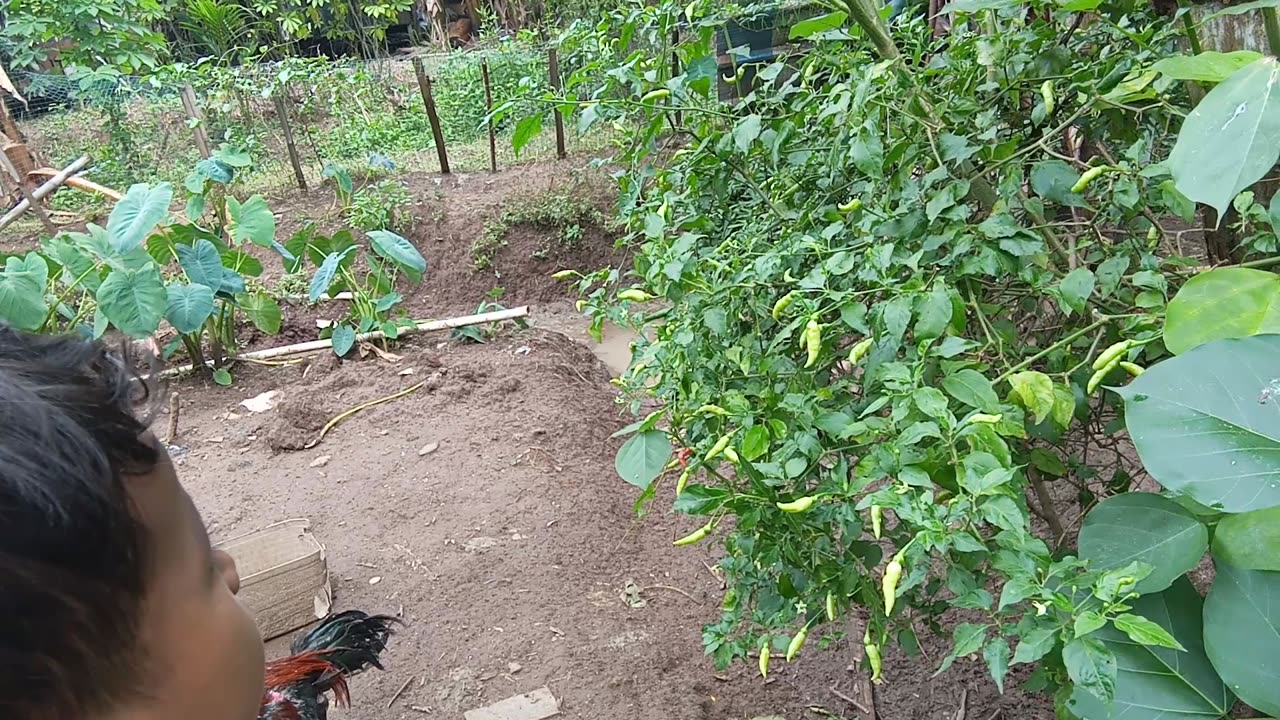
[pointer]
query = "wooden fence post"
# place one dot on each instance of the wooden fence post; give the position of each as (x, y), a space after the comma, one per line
(282, 110)
(675, 66)
(429, 102)
(553, 64)
(488, 106)
(193, 112)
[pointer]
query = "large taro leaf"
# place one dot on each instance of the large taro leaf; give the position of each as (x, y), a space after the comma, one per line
(1207, 423)
(1147, 528)
(1231, 139)
(23, 282)
(400, 252)
(137, 214)
(1155, 683)
(134, 300)
(1222, 303)
(1242, 634)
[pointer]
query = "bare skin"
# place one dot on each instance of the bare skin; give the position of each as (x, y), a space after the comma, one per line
(204, 656)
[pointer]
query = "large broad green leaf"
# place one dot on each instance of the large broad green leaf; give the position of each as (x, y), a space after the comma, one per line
(1092, 668)
(263, 311)
(134, 300)
(22, 292)
(1035, 391)
(1206, 424)
(251, 220)
(137, 214)
(1209, 66)
(399, 251)
(323, 278)
(1147, 528)
(1249, 541)
(344, 338)
(202, 263)
(1231, 139)
(527, 129)
(1242, 9)
(1223, 303)
(1242, 634)
(1155, 683)
(188, 307)
(972, 389)
(642, 458)
(815, 25)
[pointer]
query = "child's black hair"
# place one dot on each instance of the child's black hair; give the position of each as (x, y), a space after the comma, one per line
(73, 556)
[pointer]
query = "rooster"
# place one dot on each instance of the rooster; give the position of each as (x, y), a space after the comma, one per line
(340, 646)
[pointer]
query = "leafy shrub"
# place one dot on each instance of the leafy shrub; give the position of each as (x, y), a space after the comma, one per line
(459, 88)
(381, 206)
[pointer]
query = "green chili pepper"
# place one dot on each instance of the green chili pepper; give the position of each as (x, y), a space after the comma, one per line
(764, 659)
(797, 506)
(831, 607)
(851, 206)
(797, 642)
(683, 480)
(1088, 177)
(1096, 379)
(712, 410)
(783, 303)
(1112, 353)
(694, 536)
(1132, 368)
(655, 95)
(985, 419)
(563, 274)
(860, 351)
(1046, 91)
(877, 521)
(812, 341)
(718, 448)
(731, 455)
(892, 573)
(634, 295)
(874, 660)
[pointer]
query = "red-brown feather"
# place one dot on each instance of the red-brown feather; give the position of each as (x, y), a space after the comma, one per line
(308, 666)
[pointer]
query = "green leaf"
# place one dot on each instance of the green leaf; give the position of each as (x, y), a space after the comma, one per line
(1249, 541)
(746, 132)
(400, 252)
(1092, 667)
(527, 129)
(996, 654)
(755, 443)
(1143, 527)
(262, 309)
(974, 6)
(1209, 66)
(972, 389)
(323, 278)
(236, 157)
(1087, 622)
(1075, 289)
(1004, 513)
(1053, 179)
(134, 300)
(1242, 634)
(213, 169)
(933, 313)
(1145, 632)
(251, 220)
(1222, 303)
(202, 263)
(815, 25)
(137, 214)
(188, 306)
(1034, 644)
(966, 639)
(344, 338)
(22, 292)
(642, 457)
(242, 263)
(931, 402)
(1243, 8)
(1205, 423)
(222, 377)
(1157, 682)
(1035, 391)
(1232, 137)
(1110, 273)
(701, 500)
(1047, 462)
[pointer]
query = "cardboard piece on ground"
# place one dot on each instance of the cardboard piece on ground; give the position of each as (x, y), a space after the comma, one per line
(284, 577)
(536, 705)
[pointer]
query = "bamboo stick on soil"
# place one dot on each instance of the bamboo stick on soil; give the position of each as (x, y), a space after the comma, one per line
(44, 190)
(488, 108)
(282, 111)
(429, 102)
(193, 112)
(553, 65)
(26, 195)
(422, 326)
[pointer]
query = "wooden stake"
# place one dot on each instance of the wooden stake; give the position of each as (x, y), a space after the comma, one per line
(47, 188)
(26, 195)
(553, 63)
(429, 101)
(675, 66)
(174, 407)
(193, 112)
(8, 125)
(488, 106)
(282, 111)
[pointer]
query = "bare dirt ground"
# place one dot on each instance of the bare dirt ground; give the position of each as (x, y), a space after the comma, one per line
(484, 510)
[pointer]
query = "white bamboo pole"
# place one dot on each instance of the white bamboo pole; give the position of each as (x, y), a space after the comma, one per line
(422, 326)
(47, 188)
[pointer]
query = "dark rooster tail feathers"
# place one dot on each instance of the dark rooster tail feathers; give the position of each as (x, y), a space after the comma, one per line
(352, 641)
(342, 645)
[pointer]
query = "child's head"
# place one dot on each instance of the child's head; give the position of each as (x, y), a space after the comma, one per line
(113, 605)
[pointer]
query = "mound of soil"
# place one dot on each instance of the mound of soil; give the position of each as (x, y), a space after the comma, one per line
(484, 510)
